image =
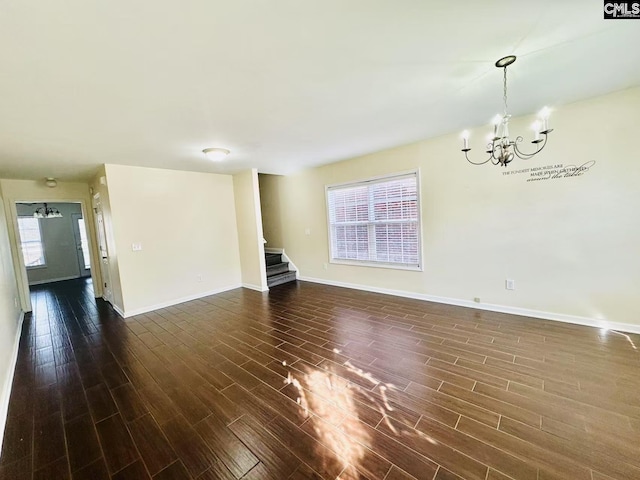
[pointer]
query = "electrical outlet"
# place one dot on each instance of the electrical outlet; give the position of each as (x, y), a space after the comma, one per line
(510, 284)
(326, 266)
(476, 299)
(307, 231)
(199, 278)
(136, 247)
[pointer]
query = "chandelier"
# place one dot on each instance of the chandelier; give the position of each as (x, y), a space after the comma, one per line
(500, 147)
(46, 212)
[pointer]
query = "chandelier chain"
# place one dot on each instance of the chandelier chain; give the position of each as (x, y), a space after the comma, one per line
(504, 96)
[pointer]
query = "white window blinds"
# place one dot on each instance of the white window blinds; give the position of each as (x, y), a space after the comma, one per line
(31, 241)
(376, 221)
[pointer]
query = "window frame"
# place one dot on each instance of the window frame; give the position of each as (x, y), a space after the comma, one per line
(370, 263)
(44, 255)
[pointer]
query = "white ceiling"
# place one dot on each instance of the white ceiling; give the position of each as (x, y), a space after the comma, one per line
(283, 84)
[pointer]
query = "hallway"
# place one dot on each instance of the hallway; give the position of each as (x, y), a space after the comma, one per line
(310, 381)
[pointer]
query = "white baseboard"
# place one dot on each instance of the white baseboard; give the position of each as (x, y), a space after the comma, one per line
(118, 310)
(6, 388)
(257, 288)
(176, 301)
(51, 280)
(525, 312)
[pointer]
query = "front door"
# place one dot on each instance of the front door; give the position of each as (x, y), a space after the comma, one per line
(82, 244)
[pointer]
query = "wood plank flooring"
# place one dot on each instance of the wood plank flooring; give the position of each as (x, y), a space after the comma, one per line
(316, 382)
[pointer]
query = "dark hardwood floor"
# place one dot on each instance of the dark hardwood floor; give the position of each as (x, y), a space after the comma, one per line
(310, 381)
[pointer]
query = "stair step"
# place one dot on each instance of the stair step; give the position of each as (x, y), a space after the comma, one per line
(277, 268)
(273, 258)
(281, 278)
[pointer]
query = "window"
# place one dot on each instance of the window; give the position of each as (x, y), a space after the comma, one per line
(376, 222)
(84, 243)
(31, 242)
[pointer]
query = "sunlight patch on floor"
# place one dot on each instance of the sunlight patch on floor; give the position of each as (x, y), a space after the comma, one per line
(328, 402)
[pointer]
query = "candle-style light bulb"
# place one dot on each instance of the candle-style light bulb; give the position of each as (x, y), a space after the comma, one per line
(536, 128)
(465, 139)
(496, 122)
(544, 116)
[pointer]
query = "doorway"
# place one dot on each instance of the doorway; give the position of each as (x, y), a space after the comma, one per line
(53, 241)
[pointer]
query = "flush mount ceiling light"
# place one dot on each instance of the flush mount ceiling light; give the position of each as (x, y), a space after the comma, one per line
(46, 212)
(50, 182)
(216, 154)
(501, 149)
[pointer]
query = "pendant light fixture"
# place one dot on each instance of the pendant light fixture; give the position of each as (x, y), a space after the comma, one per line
(46, 212)
(501, 148)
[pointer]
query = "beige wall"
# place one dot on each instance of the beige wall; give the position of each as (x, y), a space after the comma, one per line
(9, 318)
(36, 191)
(570, 244)
(249, 220)
(186, 225)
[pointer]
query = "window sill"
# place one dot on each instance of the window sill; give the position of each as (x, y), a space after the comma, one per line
(36, 267)
(389, 266)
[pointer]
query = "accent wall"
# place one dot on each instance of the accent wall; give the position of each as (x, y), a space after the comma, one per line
(60, 250)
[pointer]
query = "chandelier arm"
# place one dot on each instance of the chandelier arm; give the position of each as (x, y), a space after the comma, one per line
(476, 163)
(525, 155)
(491, 150)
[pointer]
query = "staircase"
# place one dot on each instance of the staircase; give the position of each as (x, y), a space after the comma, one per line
(278, 271)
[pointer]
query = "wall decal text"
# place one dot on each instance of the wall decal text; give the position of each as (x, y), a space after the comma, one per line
(552, 172)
